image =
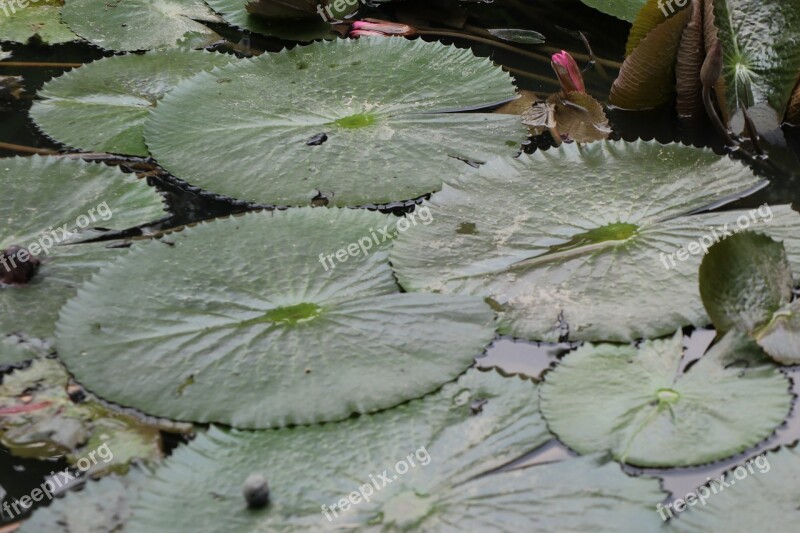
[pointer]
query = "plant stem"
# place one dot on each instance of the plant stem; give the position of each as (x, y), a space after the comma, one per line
(22, 64)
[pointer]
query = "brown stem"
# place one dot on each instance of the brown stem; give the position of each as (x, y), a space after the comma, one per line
(22, 64)
(134, 163)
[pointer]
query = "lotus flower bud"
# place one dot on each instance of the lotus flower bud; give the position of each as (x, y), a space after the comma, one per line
(569, 75)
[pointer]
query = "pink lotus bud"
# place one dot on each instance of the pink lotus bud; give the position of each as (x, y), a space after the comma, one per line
(569, 75)
(380, 27)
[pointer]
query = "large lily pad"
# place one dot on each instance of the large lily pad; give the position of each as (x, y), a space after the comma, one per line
(575, 242)
(132, 25)
(38, 418)
(102, 106)
(761, 57)
(761, 494)
(470, 427)
(286, 127)
(247, 328)
(639, 406)
(43, 193)
(42, 19)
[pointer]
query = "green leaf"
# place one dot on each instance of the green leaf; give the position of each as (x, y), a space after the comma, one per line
(650, 16)
(518, 36)
(640, 406)
(647, 77)
(456, 439)
(133, 25)
(261, 140)
(39, 419)
(16, 348)
(42, 195)
(744, 280)
(761, 58)
(622, 9)
(304, 29)
(761, 491)
(42, 18)
(780, 338)
(262, 336)
(102, 106)
(598, 265)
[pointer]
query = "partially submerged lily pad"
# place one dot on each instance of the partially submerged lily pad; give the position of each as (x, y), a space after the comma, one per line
(451, 444)
(260, 141)
(228, 303)
(48, 198)
(133, 25)
(39, 418)
(40, 19)
(580, 242)
(102, 106)
(640, 406)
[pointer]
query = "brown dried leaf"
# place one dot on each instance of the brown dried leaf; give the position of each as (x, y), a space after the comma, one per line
(580, 117)
(691, 53)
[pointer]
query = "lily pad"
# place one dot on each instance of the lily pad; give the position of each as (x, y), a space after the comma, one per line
(133, 25)
(38, 418)
(780, 337)
(42, 19)
(16, 348)
(451, 442)
(228, 303)
(286, 127)
(50, 197)
(602, 265)
(102, 106)
(622, 9)
(761, 58)
(765, 493)
(305, 29)
(642, 408)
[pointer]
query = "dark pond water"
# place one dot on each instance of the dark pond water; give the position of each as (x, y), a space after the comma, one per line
(560, 21)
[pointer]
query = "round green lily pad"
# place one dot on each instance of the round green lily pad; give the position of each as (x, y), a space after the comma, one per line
(102, 106)
(359, 122)
(133, 25)
(640, 406)
(46, 200)
(590, 242)
(248, 324)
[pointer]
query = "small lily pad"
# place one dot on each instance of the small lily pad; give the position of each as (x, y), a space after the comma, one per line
(16, 348)
(639, 405)
(41, 18)
(102, 106)
(228, 303)
(132, 25)
(451, 445)
(584, 243)
(46, 201)
(389, 142)
(304, 29)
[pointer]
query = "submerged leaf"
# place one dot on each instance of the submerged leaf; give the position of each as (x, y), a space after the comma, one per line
(385, 142)
(617, 261)
(295, 344)
(102, 106)
(59, 195)
(518, 36)
(639, 406)
(449, 445)
(133, 25)
(647, 77)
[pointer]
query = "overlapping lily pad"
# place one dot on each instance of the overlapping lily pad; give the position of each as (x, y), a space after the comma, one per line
(246, 327)
(575, 242)
(42, 19)
(47, 197)
(642, 408)
(16, 348)
(765, 494)
(38, 418)
(451, 441)
(303, 29)
(102, 106)
(132, 25)
(287, 127)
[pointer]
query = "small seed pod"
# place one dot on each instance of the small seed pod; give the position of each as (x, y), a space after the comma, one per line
(17, 266)
(256, 491)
